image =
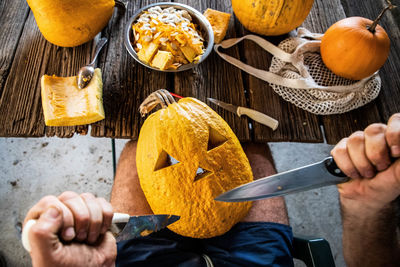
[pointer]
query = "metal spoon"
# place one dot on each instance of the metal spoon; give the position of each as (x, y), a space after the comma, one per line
(85, 74)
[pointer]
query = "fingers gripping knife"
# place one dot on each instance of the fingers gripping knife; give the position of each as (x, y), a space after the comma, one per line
(124, 227)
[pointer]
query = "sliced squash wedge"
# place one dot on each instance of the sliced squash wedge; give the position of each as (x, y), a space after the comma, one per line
(64, 104)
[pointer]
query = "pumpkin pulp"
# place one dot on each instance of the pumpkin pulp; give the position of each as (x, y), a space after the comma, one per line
(64, 104)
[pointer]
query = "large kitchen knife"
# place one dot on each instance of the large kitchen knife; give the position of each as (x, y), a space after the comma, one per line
(124, 227)
(304, 178)
(251, 113)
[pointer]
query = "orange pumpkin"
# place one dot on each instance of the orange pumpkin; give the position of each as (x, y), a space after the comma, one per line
(187, 155)
(355, 47)
(73, 22)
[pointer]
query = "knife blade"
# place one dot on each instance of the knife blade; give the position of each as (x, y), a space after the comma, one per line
(123, 227)
(315, 175)
(251, 113)
(137, 226)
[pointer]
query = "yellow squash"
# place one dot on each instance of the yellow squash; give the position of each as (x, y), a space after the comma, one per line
(186, 156)
(219, 22)
(71, 23)
(64, 104)
(271, 17)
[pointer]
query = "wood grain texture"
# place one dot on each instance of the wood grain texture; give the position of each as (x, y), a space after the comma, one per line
(126, 82)
(295, 124)
(13, 15)
(25, 56)
(21, 100)
(216, 78)
(322, 15)
(20, 107)
(388, 101)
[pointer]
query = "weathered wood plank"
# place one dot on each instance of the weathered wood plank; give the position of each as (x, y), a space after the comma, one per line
(21, 100)
(388, 101)
(25, 56)
(295, 124)
(13, 15)
(126, 82)
(20, 103)
(215, 78)
(322, 15)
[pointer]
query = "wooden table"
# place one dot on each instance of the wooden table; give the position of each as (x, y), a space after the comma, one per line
(25, 56)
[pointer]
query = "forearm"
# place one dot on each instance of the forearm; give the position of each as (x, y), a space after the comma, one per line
(370, 237)
(127, 196)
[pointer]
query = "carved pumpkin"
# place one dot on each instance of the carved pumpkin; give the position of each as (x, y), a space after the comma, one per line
(71, 23)
(186, 156)
(271, 17)
(355, 47)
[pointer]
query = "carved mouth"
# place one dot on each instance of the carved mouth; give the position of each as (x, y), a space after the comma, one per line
(201, 173)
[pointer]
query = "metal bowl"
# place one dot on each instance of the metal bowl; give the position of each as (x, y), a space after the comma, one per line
(198, 18)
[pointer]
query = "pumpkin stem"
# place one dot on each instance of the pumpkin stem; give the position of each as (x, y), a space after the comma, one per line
(376, 21)
(160, 97)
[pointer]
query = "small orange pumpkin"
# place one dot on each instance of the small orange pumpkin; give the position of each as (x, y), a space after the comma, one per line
(355, 47)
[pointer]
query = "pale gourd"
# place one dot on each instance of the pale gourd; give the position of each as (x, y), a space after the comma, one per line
(271, 17)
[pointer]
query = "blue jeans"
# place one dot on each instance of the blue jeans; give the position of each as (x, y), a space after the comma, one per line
(246, 244)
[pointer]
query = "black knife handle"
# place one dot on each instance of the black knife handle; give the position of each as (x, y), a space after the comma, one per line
(333, 168)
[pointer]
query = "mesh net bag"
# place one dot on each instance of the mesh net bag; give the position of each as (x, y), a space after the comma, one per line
(298, 74)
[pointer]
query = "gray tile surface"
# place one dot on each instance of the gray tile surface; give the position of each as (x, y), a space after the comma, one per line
(34, 167)
(316, 212)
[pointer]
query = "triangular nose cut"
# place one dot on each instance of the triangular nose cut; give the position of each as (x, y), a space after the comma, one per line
(165, 160)
(215, 139)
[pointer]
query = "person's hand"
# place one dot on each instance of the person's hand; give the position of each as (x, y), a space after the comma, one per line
(72, 230)
(366, 158)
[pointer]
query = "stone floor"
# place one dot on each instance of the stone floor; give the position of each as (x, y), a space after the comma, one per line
(32, 168)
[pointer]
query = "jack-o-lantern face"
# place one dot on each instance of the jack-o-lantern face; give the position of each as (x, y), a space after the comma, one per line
(186, 156)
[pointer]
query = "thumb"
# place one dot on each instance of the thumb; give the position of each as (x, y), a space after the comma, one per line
(108, 248)
(386, 184)
(43, 235)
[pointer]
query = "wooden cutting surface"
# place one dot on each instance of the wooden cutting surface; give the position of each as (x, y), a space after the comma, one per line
(25, 56)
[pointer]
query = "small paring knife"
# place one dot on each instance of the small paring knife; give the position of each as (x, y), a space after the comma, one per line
(251, 113)
(124, 227)
(315, 175)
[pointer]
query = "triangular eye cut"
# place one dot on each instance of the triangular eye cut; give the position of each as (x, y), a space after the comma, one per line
(164, 160)
(201, 173)
(215, 139)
